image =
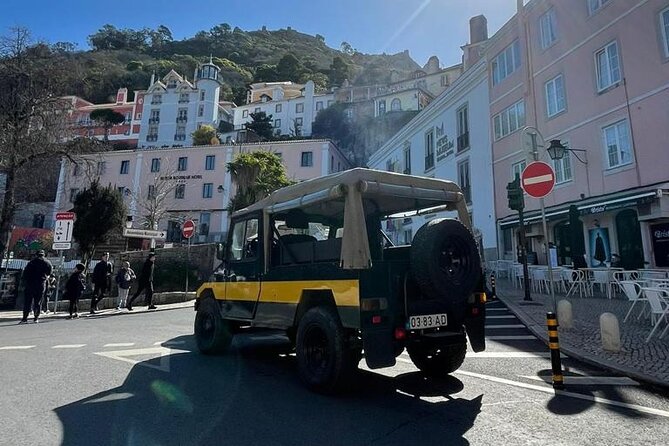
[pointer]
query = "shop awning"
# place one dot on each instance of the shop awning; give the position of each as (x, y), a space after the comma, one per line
(585, 207)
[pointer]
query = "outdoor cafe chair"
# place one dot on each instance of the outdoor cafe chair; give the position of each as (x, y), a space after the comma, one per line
(658, 299)
(602, 278)
(634, 294)
(539, 278)
(518, 275)
(575, 279)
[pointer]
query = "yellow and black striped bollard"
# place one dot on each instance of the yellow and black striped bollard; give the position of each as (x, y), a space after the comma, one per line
(554, 345)
(493, 286)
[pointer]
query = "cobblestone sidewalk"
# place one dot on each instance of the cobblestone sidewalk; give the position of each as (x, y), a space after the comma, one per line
(637, 359)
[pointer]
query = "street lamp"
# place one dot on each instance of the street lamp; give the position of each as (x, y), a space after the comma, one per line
(557, 151)
(128, 222)
(220, 188)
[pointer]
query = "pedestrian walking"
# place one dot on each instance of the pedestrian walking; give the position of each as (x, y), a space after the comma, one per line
(74, 288)
(101, 275)
(145, 283)
(124, 279)
(35, 275)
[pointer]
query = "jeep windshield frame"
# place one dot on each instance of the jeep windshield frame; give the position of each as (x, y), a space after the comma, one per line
(355, 194)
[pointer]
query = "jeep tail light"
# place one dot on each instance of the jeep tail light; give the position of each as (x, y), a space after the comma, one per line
(376, 319)
(400, 334)
(475, 311)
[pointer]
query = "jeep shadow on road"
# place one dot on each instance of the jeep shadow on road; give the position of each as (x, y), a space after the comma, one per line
(251, 396)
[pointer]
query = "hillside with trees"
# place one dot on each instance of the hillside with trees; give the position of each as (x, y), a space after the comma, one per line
(127, 58)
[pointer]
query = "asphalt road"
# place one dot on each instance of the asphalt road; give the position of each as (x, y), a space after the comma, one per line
(136, 379)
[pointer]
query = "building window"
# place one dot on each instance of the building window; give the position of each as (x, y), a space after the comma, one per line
(184, 98)
(278, 108)
(382, 106)
(210, 162)
(180, 191)
(608, 66)
(157, 99)
(507, 240)
(152, 192)
(125, 167)
(664, 26)
(408, 236)
(200, 111)
(298, 122)
(548, 28)
(73, 194)
(307, 159)
(506, 63)
(464, 180)
(277, 123)
(180, 134)
(555, 96)
(429, 150)
(155, 165)
(205, 221)
(462, 117)
(207, 190)
(444, 80)
(245, 114)
(101, 167)
(617, 144)
(299, 108)
(407, 160)
(155, 117)
(257, 110)
(509, 120)
(396, 105)
(517, 169)
(595, 5)
(319, 105)
(563, 169)
(202, 95)
(182, 164)
(182, 115)
(330, 102)
(38, 221)
(172, 83)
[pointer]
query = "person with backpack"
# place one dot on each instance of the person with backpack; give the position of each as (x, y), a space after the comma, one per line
(74, 287)
(35, 275)
(124, 278)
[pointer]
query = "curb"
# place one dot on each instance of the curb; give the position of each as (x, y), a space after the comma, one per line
(539, 331)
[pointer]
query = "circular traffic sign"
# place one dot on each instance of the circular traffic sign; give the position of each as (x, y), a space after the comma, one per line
(538, 179)
(188, 229)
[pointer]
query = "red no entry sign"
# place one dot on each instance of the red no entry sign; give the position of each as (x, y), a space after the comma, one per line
(538, 179)
(189, 229)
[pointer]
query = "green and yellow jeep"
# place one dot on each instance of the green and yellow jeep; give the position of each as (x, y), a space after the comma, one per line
(312, 260)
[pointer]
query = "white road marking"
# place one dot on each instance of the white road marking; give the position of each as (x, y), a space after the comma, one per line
(69, 346)
(169, 343)
(492, 327)
(126, 356)
(120, 344)
(17, 347)
(506, 316)
(511, 338)
(498, 355)
(588, 380)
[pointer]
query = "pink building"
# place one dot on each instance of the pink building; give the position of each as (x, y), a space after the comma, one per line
(175, 184)
(593, 74)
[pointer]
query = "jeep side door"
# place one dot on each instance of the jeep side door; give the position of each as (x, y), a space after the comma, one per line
(243, 268)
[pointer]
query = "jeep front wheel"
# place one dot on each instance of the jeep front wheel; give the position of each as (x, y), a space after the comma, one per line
(325, 360)
(213, 334)
(436, 359)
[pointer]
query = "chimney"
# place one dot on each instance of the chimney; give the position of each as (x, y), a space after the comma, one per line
(478, 29)
(122, 96)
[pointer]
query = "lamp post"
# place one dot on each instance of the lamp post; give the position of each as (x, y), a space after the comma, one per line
(128, 225)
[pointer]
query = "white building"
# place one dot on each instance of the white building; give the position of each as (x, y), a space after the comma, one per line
(291, 115)
(175, 107)
(449, 139)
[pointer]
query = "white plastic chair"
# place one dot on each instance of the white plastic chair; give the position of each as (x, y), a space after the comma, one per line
(603, 279)
(518, 275)
(659, 308)
(632, 291)
(539, 278)
(575, 279)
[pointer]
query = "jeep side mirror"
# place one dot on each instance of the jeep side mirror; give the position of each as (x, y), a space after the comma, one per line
(220, 250)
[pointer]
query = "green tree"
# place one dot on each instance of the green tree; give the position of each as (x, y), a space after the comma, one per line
(160, 37)
(346, 48)
(261, 125)
(205, 135)
(339, 71)
(100, 211)
(255, 175)
(107, 118)
(265, 73)
(289, 68)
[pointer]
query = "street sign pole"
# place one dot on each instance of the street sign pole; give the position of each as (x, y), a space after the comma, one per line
(523, 253)
(187, 231)
(60, 272)
(187, 264)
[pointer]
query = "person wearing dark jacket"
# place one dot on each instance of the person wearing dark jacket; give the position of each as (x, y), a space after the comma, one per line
(101, 274)
(34, 275)
(124, 279)
(145, 283)
(74, 287)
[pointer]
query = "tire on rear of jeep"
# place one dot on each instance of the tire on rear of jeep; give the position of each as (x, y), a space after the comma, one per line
(445, 260)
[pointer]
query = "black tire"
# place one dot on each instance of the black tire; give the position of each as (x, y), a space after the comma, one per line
(325, 359)
(213, 334)
(445, 260)
(437, 360)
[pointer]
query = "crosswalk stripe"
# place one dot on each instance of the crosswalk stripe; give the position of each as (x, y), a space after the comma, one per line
(510, 338)
(120, 344)
(494, 327)
(494, 355)
(506, 316)
(69, 346)
(17, 347)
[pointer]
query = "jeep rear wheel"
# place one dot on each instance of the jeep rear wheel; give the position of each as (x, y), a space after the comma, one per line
(213, 334)
(445, 260)
(326, 362)
(435, 359)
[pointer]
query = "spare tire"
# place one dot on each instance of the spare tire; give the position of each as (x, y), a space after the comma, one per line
(445, 260)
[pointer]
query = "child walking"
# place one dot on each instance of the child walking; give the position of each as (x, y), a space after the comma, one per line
(74, 287)
(124, 278)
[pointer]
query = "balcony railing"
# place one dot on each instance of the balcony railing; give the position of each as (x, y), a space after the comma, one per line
(154, 120)
(463, 141)
(429, 162)
(152, 138)
(182, 119)
(180, 137)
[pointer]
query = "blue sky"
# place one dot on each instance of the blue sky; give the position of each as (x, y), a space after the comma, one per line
(424, 27)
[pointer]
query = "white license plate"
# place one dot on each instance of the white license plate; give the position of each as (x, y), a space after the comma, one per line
(427, 321)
